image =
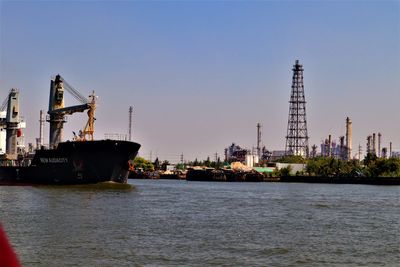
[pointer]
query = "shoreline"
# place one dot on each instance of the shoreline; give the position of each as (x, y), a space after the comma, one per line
(240, 177)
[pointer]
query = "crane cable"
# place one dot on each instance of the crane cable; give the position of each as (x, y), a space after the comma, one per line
(78, 96)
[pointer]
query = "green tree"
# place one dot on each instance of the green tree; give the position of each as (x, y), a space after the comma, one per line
(217, 164)
(328, 167)
(140, 162)
(207, 162)
(370, 159)
(376, 167)
(286, 171)
(291, 159)
(180, 166)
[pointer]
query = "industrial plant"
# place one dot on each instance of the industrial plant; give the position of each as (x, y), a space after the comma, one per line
(297, 138)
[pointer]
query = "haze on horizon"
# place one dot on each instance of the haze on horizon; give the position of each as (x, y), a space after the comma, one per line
(201, 74)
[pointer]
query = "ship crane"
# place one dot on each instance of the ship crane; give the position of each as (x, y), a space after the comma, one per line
(57, 111)
(11, 123)
(3, 108)
(4, 105)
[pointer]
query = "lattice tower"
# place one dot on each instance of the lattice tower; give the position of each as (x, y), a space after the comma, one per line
(297, 137)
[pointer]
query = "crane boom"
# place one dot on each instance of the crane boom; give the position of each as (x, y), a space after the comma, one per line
(70, 110)
(5, 102)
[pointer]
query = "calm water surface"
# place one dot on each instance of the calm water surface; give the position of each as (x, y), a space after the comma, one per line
(179, 223)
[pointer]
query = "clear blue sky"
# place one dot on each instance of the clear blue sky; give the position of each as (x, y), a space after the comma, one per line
(201, 74)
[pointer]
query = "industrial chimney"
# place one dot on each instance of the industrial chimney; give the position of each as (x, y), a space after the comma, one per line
(258, 140)
(369, 148)
(374, 143)
(329, 145)
(379, 144)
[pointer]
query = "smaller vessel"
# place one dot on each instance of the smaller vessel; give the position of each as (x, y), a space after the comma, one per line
(205, 174)
(81, 161)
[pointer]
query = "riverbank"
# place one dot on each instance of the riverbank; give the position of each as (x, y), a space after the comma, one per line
(342, 180)
(215, 175)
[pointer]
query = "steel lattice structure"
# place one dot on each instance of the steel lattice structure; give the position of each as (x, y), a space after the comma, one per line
(297, 137)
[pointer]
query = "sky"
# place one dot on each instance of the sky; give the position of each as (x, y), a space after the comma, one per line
(201, 74)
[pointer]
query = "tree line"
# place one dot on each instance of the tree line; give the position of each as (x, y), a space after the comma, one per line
(371, 166)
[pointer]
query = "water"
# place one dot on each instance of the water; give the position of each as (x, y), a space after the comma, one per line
(179, 223)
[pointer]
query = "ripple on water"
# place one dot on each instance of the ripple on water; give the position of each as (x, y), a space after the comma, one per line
(275, 251)
(179, 223)
(321, 205)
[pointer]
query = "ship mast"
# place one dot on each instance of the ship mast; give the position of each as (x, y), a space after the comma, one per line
(89, 128)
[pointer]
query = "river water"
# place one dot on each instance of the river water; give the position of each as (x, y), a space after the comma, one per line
(180, 223)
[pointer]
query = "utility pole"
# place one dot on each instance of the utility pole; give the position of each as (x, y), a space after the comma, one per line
(41, 129)
(130, 123)
(313, 151)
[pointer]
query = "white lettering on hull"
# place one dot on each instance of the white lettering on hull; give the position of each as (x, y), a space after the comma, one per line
(53, 160)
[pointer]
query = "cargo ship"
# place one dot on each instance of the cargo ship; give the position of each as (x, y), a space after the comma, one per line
(80, 161)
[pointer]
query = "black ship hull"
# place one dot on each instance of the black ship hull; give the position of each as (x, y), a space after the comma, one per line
(78, 162)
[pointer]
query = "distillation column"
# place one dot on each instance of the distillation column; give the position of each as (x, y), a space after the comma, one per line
(374, 144)
(349, 137)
